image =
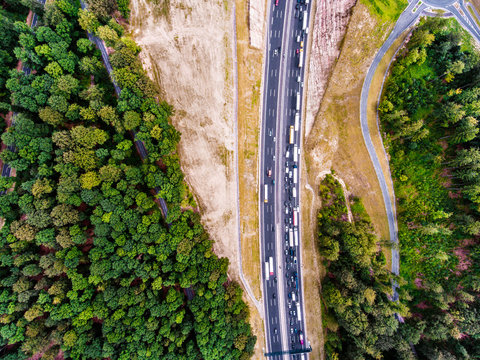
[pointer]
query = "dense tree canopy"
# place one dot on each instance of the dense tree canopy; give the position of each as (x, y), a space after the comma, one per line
(89, 267)
(429, 112)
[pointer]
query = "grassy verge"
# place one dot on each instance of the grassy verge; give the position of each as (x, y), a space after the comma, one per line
(474, 16)
(249, 78)
(249, 71)
(312, 266)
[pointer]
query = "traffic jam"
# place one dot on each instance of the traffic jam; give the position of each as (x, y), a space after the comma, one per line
(291, 204)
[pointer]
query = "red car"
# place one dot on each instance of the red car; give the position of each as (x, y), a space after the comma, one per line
(276, 2)
(298, 50)
(269, 172)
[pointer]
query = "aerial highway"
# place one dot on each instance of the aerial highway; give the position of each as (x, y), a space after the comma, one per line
(287, 32)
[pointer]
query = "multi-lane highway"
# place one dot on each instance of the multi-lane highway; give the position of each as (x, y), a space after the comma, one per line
(287, 32)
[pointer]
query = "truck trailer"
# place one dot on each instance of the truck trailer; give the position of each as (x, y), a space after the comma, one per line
(270, 263)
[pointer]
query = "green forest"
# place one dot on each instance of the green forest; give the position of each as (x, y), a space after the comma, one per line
(428, 114)
(89, 266)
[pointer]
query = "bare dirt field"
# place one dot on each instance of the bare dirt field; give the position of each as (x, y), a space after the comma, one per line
(250, 57)
(329, 27)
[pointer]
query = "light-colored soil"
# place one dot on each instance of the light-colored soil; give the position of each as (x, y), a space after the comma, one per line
(187, 49)
(188, 53)
(329, 27)
(249, 83)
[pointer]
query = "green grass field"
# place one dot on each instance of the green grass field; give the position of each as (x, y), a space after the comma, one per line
(386, 10)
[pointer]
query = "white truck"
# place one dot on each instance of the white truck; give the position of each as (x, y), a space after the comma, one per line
(267, 271)
(295, 175)
(295, 153)
(266, 194)
(295, 218)
(297, 121)
(300, 60)
(294, 192)
(295, 233)
(299, 315)
(290, 237)
(270, 263)
(305, 16)
(298, 103)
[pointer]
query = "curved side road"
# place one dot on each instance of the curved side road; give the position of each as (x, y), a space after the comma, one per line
(406, 19)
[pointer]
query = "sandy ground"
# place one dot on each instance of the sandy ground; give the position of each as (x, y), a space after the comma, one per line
(329, 29)
(188, 53)
(256, 23)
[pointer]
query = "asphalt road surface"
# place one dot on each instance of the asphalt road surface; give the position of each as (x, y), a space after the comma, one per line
(279, 215)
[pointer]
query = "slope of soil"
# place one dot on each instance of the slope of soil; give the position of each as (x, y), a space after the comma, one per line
(328, 31)
(187, 50)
